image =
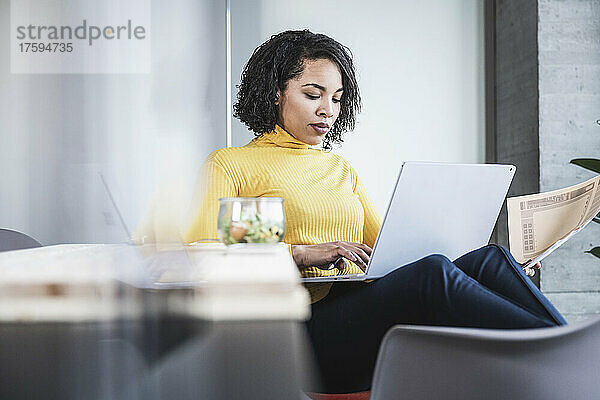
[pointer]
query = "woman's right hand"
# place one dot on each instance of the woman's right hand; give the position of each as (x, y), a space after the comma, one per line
(323, 254)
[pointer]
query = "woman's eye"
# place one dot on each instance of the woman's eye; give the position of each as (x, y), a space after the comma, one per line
(313, 97)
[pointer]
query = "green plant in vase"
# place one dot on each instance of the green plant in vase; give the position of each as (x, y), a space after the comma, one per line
(591, 164)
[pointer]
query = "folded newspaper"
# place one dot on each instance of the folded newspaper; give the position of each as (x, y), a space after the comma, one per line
(539, 223)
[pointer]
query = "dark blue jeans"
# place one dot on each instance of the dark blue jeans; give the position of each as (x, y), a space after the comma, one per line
(485, 288)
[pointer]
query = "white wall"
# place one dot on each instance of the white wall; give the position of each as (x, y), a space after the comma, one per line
(420, 67)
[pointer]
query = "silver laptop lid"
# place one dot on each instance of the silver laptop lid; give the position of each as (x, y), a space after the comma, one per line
(439, 208)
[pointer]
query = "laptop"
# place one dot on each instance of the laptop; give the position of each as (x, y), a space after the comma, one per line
(435, 208)
(146, 264)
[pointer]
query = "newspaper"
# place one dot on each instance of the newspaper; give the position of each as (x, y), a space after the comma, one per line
(539, 223)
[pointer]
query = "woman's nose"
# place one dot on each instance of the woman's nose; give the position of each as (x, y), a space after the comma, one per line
(326, 109)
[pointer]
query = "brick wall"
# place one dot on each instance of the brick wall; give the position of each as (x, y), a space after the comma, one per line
(569, 105)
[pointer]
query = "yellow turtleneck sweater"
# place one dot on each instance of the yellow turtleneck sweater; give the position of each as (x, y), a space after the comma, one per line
(324, 199)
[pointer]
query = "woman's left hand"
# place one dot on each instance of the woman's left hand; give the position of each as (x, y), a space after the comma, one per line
(530, 271)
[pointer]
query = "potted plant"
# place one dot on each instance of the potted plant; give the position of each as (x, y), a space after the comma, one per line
(592, 164)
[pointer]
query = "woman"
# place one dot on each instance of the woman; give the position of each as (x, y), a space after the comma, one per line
(299, 90)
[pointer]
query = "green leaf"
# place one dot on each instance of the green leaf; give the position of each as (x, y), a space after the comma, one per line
(595, 251)
(593, 164)
(596, 219)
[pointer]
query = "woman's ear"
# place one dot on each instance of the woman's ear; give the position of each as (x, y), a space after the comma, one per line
(277, 97)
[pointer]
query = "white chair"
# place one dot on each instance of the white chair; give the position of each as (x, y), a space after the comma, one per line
(422, 362)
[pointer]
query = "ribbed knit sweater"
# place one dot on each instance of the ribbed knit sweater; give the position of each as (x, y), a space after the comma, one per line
(324, 200)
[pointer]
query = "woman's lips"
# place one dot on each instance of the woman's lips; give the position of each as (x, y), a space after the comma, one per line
(320, 130)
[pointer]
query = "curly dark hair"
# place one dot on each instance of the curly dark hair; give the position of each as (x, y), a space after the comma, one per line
(282, 58)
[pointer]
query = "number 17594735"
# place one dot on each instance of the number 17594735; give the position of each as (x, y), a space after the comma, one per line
(50, 47)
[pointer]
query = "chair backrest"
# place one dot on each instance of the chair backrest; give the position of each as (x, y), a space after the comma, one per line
(13, 240)
(460, 363)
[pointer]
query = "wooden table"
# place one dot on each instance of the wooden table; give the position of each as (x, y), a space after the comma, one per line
(119, 321)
